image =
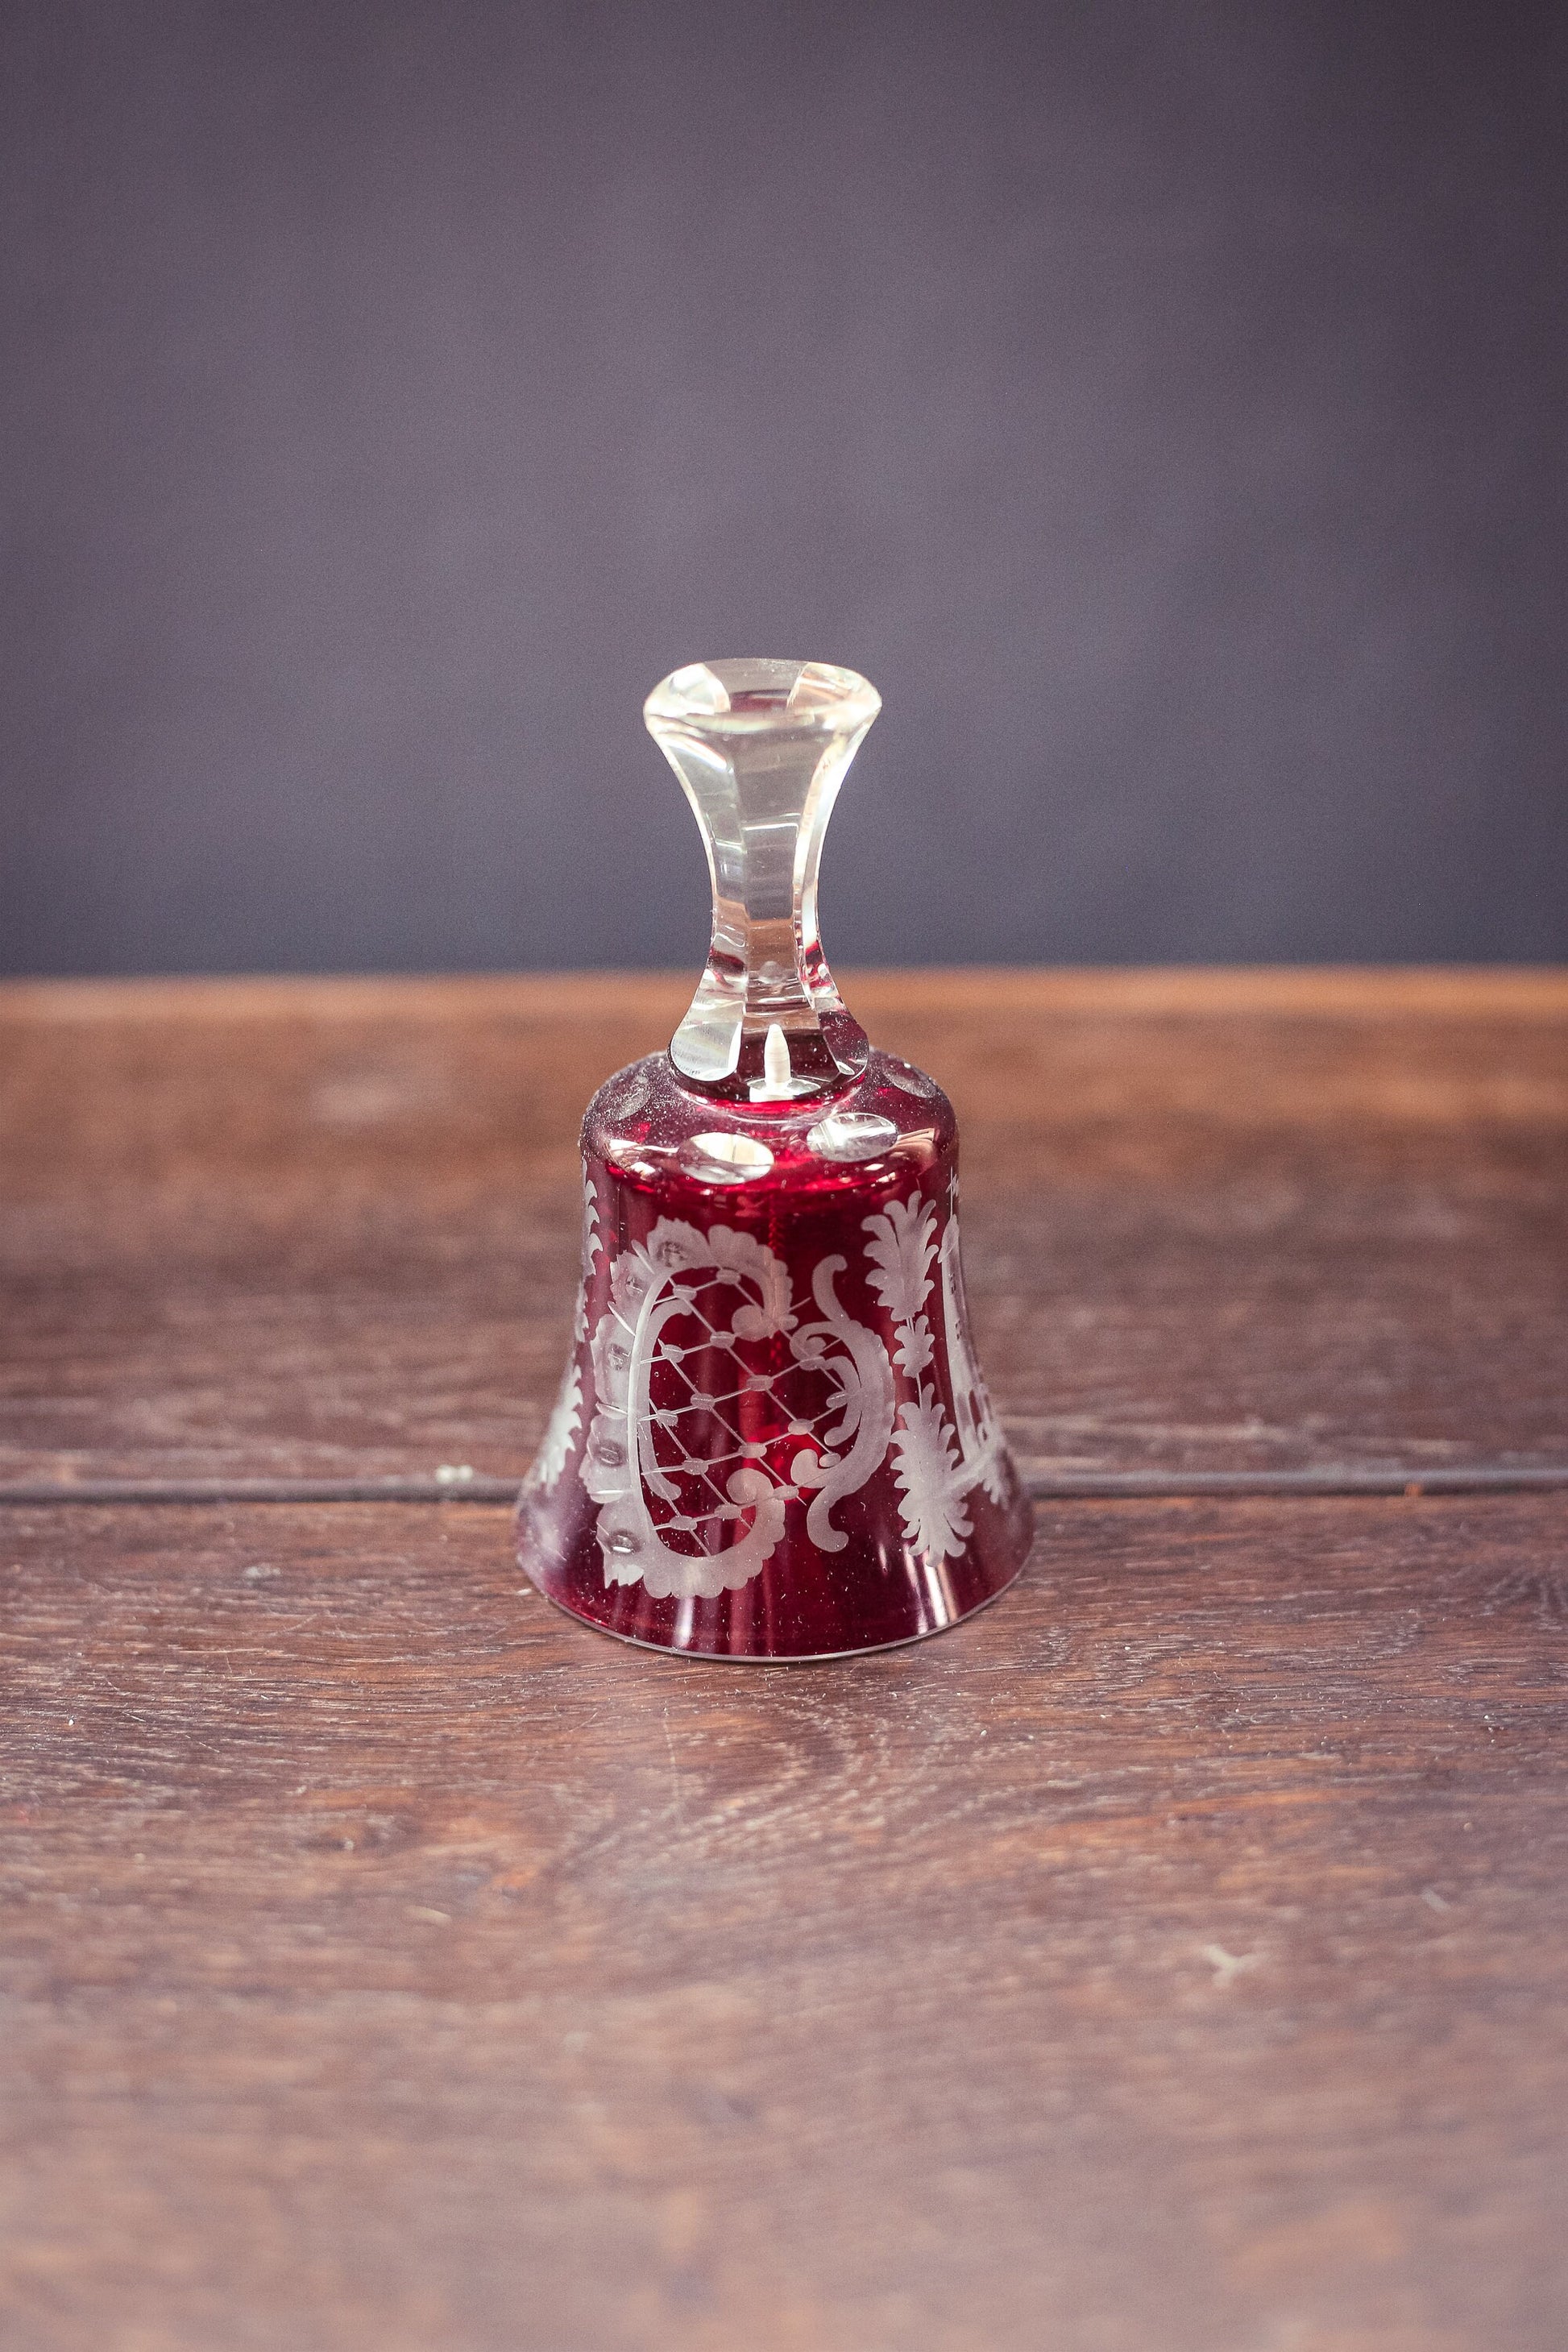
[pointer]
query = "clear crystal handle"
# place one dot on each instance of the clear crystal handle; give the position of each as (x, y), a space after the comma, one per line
(761, 749)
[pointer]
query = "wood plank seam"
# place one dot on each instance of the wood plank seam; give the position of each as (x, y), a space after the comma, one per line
(1154, 1486)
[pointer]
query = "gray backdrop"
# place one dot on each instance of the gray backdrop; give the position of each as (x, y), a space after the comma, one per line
(1163, 404)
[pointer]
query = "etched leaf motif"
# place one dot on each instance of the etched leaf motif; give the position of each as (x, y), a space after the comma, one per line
(590, 1245)
(928, 1469)
(555, 1445)
(901, 1244)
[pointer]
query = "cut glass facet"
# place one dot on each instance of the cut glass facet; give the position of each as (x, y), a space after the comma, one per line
(761, 748)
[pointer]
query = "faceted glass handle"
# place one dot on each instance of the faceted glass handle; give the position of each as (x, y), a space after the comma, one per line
(761, 749)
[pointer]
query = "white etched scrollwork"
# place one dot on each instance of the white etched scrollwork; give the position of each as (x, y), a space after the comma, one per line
(937, 1465)
(980, 1442)
(566, 1415)
(862, 1380)
(716, 1409)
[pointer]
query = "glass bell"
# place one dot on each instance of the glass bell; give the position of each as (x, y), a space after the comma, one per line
(773, 1440)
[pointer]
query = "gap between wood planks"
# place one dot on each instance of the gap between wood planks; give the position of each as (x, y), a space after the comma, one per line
(460, 1484)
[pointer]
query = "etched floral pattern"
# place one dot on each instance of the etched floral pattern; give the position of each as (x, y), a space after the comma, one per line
(684, 1462)
(930, 1471)
(901, 1244)
(560, 1430)
(980, 1440)
(709, 1399)
(566, 1415)
(935, 1463)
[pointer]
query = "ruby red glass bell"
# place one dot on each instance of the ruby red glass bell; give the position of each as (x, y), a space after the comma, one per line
(773, 1440)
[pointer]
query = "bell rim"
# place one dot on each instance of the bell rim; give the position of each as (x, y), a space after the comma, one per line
(779, 1657)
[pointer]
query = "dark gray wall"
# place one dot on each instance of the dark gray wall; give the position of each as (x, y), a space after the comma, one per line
(1163, 404)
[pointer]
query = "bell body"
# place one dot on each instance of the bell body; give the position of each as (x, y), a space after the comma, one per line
(773, 1440)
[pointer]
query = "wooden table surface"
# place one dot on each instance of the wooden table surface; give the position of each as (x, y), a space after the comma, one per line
(1172, 1960)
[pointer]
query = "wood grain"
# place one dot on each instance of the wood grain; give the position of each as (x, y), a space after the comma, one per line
(1215, 1221)
(1169, 1960)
